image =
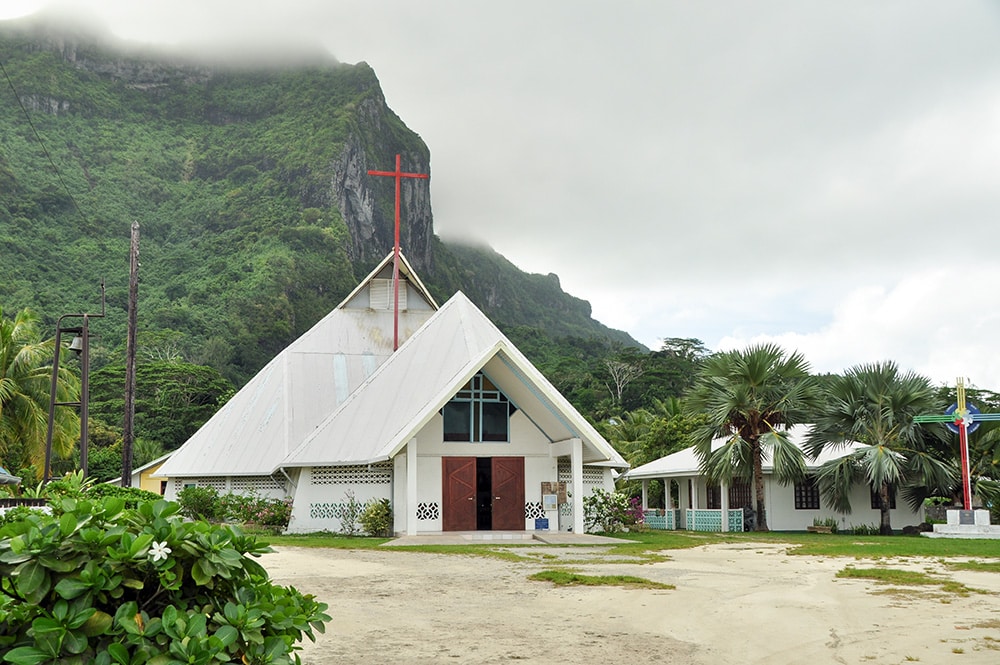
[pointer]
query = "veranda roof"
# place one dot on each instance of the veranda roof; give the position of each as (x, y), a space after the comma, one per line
(684, 463)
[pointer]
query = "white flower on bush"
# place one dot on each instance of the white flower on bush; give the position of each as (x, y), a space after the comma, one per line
(158, 551)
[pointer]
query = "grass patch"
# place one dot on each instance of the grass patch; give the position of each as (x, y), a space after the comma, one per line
(652, 546)
(327, 540)
(978, 566)
(566, 578)
(896, 577)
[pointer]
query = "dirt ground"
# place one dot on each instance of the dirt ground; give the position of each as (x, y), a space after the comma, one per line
(738, 603)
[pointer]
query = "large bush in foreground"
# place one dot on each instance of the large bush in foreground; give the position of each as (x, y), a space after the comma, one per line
(94, 583)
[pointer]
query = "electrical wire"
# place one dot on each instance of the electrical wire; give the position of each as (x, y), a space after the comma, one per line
(39, 139)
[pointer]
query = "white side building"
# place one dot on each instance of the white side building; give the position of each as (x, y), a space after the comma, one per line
(792, 507)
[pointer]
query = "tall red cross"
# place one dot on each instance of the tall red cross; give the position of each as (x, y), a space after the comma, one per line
(398, 174)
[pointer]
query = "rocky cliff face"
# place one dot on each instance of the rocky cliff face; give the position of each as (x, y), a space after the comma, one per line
(366, 203)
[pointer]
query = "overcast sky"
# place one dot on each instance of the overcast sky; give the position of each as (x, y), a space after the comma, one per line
(824, 175)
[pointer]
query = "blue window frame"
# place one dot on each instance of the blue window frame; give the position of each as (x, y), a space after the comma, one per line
(479, 412)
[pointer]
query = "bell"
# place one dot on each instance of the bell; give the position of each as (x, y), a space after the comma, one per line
(77, 344)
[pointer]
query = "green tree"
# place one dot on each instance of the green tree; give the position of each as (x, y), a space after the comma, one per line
(751, 398)
(874, 405)
(173, 399)
(25, 384)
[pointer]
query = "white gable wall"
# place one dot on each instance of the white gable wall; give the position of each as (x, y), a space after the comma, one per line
(318, 505)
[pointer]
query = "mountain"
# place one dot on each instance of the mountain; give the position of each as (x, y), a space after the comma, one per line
(250, 185)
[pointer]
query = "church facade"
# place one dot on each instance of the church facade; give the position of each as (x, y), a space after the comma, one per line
(456, 428)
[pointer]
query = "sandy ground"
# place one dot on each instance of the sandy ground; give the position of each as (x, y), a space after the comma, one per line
(741, 603)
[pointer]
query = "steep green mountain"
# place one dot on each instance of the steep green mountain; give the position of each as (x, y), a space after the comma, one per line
(251, 189)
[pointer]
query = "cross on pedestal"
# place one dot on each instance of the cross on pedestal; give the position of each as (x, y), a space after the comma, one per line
(398, 174)
(962, 419)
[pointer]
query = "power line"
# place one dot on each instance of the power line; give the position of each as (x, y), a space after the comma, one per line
(40, 142)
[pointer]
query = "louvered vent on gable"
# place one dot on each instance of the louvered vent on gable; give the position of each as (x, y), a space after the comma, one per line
(380, 294)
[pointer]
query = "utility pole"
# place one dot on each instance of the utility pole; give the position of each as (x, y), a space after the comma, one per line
(133, 300)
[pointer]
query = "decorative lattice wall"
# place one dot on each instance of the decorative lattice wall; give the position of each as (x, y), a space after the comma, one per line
(428, 511)
(359, 474)
(661, 519)
(533, 510)
(711, 520)
(592, 475)
(256, 484)
(218, 483)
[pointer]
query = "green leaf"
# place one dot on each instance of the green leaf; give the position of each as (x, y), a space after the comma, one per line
(118, 653)
(71, 587)
(25, 656)
(32, 581)
(98, 624)
(201, 572)
(67, 524)
(227, 635)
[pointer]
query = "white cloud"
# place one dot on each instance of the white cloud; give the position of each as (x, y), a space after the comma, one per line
(941, 323)
(825, 174)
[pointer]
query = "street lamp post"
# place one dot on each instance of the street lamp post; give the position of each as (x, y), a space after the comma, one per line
(80, 344)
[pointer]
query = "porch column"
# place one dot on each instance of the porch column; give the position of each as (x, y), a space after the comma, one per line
(576, 464)
(411, 487)
(645, 491)
(724, 504)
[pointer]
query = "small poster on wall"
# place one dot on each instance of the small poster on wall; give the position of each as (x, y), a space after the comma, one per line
(559, 489)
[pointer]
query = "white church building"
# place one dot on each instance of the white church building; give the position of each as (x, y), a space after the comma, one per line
(456, 428)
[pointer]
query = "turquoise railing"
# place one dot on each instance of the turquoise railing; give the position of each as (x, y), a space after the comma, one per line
(706, 519)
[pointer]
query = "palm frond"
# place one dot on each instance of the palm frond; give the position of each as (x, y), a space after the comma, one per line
(836, 478)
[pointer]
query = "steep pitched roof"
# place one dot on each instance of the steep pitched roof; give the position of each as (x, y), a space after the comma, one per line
(302, 385)
(377, 421)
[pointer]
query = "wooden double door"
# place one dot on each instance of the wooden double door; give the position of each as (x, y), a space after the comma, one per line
(483, 493)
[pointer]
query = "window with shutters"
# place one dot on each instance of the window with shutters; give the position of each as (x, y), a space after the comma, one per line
(380, 294)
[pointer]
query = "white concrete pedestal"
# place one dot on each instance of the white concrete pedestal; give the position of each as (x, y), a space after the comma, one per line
(966, 524)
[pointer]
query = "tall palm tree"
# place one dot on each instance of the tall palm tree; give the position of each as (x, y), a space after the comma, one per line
(25, 384)
(751, 398)
(874, 405)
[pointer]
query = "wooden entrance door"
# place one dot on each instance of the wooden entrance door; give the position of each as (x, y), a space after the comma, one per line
(508, 493)
(458, 500)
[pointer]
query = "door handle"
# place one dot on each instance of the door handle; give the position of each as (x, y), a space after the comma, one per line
(496, 498)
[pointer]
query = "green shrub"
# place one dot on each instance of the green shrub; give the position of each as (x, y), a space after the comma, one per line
(255, 509)
(377, 518)
(200, 503)
(95, 583)
(132, 496)
(352, 512)
(606, 511)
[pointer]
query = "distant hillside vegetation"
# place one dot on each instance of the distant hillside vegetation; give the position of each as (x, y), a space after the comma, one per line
(250, 185)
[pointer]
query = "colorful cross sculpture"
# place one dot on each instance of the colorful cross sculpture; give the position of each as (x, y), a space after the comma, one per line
(398, 174)
(961, 418)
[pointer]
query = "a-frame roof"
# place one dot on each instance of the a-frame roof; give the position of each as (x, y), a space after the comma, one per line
(377, 421)
(271, 415)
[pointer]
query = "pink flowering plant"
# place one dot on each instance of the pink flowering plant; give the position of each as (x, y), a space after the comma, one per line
(94, 583)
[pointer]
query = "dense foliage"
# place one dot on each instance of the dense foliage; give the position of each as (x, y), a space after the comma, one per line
(25, 385)
(750, 397)
(249, 232)
(95, 583)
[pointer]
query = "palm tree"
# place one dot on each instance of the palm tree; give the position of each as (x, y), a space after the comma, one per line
(751, 398)
(25, 384)
(874, 405)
